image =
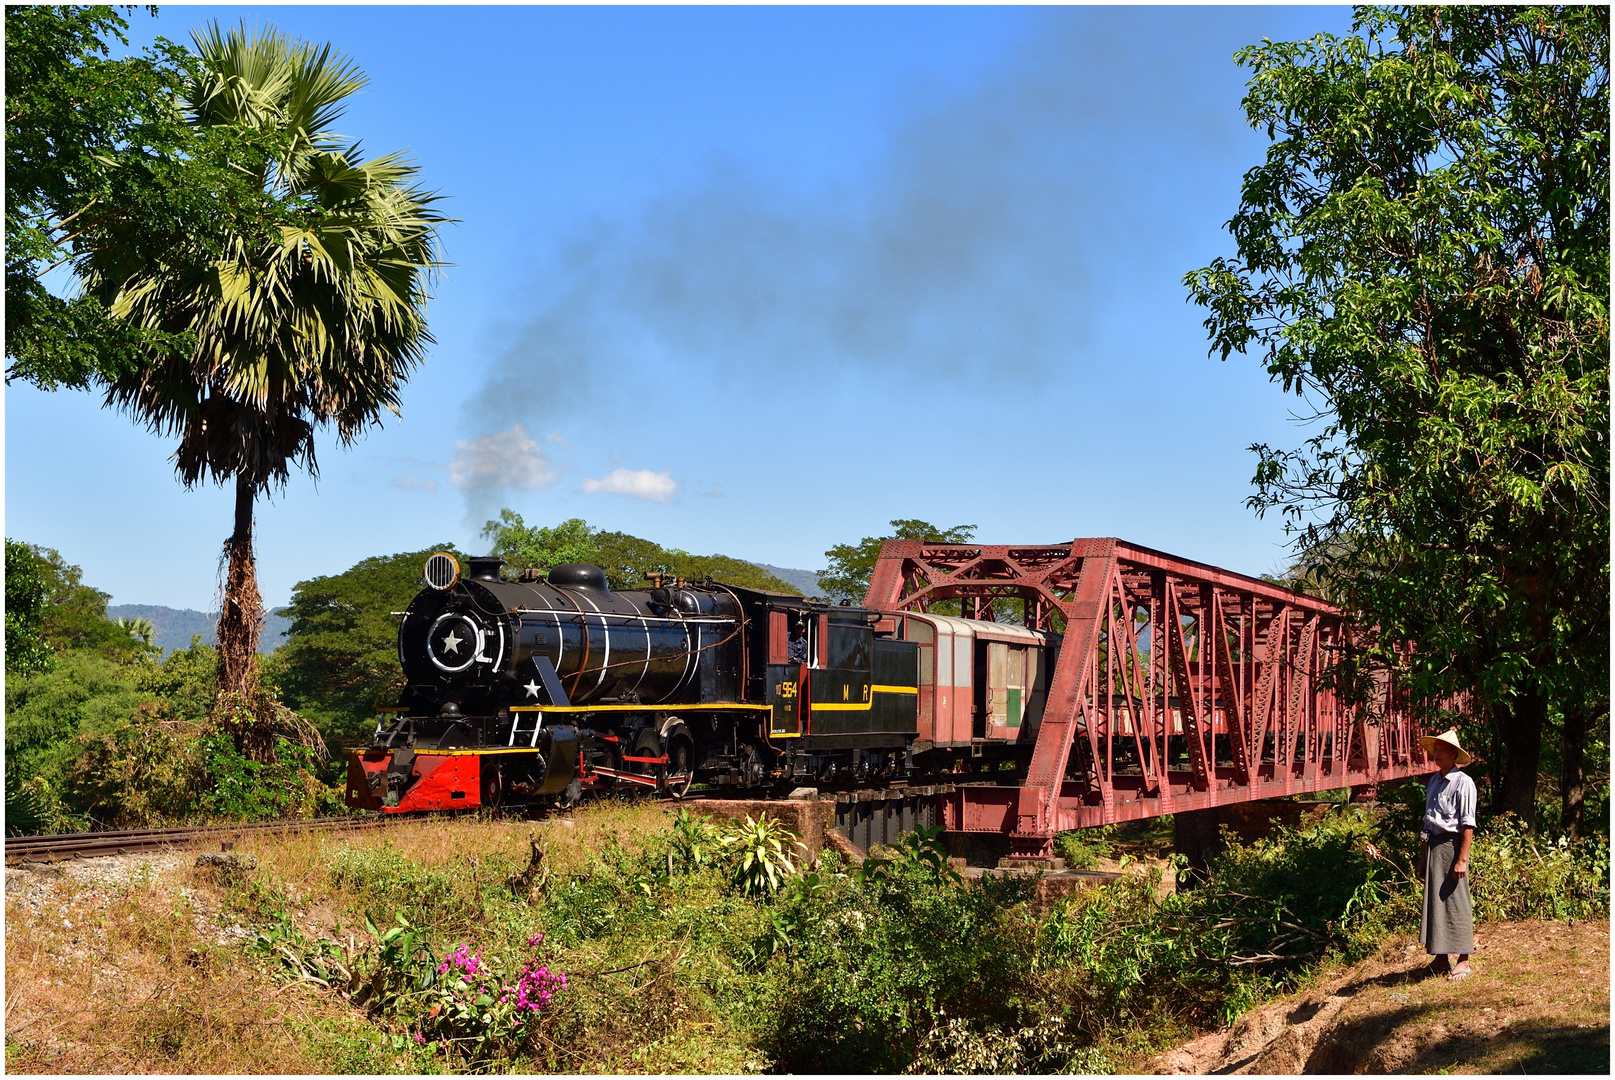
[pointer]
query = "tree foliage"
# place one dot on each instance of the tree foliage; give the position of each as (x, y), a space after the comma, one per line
(340, 659)
(69, 613)
(1423, 258)
(307, 307)
(96, 150)
(850, 565)
(26, 651)
(109, 735)
(627, 560)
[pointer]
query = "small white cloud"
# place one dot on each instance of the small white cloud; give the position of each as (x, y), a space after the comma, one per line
(715, 493)
(413, 483)
(510, 459)
(634, 484)
(558, 439)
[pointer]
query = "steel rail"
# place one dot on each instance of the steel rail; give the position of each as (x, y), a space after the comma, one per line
(57, 847)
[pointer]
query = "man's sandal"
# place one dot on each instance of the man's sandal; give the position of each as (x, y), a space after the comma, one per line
(1459, 973)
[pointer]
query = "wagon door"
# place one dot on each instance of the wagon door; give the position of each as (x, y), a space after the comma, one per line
(995, 700)
(922, 634)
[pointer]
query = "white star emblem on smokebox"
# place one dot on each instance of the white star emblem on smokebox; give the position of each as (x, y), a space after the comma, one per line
(532, 689)
(452, 642)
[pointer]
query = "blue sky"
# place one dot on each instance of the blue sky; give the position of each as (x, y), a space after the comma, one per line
(756, 281)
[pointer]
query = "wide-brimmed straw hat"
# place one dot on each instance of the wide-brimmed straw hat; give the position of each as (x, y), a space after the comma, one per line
(1450, 737)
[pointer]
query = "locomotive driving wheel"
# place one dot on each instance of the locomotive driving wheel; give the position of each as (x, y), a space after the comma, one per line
(493, 787)
(680, 763)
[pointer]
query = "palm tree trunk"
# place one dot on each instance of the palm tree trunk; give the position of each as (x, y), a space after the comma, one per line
(241, 618)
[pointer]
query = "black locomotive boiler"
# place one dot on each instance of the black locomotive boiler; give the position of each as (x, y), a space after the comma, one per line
(530, 691)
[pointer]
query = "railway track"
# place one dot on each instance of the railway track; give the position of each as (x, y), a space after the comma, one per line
(22, 849)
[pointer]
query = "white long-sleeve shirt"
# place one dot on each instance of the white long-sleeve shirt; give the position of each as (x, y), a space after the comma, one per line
(1449, 804)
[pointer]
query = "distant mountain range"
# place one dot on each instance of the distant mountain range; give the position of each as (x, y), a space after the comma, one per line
(176, 626)
(806, 580)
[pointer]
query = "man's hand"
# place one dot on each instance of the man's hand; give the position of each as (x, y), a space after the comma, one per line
(1460, 868)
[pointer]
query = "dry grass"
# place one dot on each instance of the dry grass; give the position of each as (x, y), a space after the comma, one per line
(301, 861)
(131, 980)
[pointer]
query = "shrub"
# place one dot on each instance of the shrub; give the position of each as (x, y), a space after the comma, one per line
(1083, 848)
(762, 861)
(34, 807)
(476, 1014)
(870, 963)
(1260, 919)
(1515, 875)
(143, 774)
(249, 790)
(921, 852)
(952, 1046)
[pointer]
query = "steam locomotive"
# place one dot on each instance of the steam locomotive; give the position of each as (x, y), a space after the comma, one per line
(531, 691)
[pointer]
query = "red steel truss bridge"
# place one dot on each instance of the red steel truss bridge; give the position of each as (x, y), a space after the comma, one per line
(1178, 686)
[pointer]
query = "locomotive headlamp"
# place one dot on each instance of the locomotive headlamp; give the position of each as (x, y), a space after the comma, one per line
(442, 571)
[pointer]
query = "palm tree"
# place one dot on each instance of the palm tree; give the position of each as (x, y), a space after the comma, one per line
(302, 310)
(140, 628)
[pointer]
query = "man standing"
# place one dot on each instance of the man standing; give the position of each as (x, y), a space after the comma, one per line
(1448, 926)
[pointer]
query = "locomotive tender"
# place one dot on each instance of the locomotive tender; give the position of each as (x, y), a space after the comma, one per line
(531, 691)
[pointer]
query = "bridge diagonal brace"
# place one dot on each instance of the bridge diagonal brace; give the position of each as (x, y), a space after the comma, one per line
(1233, 707)
(1068, 693)
(1178, 655)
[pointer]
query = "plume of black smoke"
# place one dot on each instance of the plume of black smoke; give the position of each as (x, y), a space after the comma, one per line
(982, 244)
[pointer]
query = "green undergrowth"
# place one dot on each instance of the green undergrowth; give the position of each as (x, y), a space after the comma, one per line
(670, 944)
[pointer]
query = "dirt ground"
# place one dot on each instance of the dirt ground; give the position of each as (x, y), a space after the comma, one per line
(1538, 1002)
(116, 965)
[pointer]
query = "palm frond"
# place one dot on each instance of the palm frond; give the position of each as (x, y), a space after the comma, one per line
(311, 312)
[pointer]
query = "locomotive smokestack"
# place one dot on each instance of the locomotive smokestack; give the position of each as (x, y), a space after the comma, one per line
(486, 567)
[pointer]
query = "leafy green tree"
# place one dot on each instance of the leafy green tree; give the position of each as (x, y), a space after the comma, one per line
(26, 651)
(98, 154)
(1424, 258)
(72, 615)
(83, 692)
(627, 560)
(539, 547)
(852, 564)
(340, 659)
(306, 306)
